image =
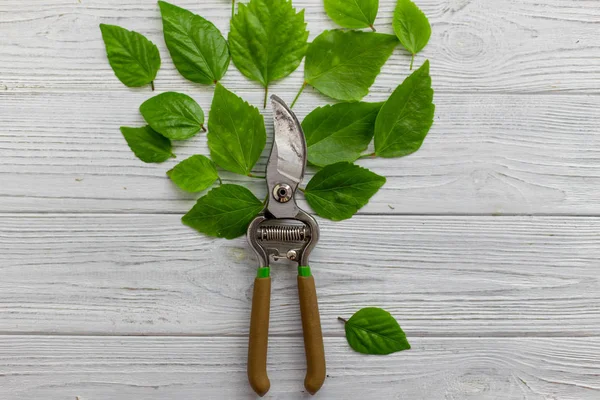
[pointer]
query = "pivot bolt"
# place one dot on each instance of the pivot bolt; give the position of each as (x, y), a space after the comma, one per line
(282, 192)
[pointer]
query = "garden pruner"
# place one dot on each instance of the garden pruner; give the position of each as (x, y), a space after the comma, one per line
(283, 231)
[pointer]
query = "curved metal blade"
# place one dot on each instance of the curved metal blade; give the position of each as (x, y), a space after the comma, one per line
(288, 158)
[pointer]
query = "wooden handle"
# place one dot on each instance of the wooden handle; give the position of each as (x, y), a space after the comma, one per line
(259, 336)
(313, 337)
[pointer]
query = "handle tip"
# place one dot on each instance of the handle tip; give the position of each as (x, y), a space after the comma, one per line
(260, 385)
(313, 384)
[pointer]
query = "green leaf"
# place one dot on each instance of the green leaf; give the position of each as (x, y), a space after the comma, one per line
(374, 331)
(411, 26)
(339, 132)
(339, 190)
(148, 145)
(198, 49)
(344, 64)
(267, 39)
(226, 211)
(134, 59)
(355, 14)
(405, 118)
(236, 132)
(194, 174)
(174, 115)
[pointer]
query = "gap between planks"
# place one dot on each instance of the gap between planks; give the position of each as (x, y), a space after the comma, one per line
(423, 335)
(108, 213)
(260, 91)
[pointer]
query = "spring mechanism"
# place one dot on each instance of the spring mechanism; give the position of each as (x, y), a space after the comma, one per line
(282, 233)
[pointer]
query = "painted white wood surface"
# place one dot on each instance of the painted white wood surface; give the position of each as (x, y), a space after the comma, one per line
(497, 305)
(158, 368)
(442, 276)
(486, 154)
(523, 46)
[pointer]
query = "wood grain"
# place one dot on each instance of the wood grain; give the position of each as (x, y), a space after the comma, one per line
(58, 368)
(451, 276)
(487, 45)
(486, 154)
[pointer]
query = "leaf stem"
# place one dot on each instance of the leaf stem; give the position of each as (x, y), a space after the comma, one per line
(343, 320)
(412, 60)
(202, 128)
(372, 27)
(220, 180)
(367, 156)
(232, 8)
(301, 189)
(251, 175)
(152, 85)
(299, 93)
(266, 95)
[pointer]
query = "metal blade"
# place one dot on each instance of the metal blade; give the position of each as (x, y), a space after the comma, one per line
(288, 157)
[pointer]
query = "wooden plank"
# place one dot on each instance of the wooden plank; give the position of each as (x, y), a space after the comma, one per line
(485, 154)
(57, 368)
(453, 276)
(486, 45)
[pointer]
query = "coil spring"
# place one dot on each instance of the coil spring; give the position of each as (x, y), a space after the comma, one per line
(282, 233)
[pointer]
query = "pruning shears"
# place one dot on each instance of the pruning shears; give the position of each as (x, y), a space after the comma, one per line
(284, 231)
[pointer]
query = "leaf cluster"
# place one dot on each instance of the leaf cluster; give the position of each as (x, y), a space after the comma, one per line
(267, 41)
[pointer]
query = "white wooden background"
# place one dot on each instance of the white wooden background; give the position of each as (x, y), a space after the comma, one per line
(485, 244)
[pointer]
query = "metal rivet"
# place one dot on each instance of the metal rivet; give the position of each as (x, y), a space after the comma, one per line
(292, 255)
